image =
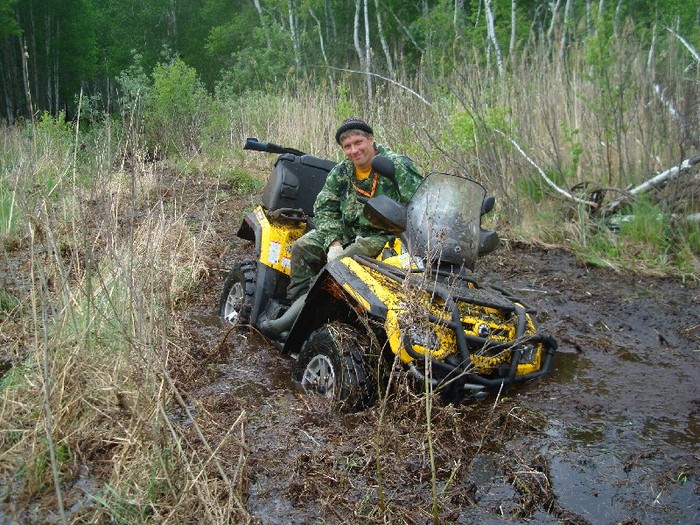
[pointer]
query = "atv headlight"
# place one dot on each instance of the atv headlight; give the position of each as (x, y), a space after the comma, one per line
(424, 336)
(483, 330)
(528, 354)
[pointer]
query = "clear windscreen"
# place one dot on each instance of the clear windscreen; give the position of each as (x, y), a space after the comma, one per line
(444, 218)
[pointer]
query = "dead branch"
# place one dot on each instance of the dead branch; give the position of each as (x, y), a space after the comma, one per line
(549, 181)
(655, 182)
(683, 41)
(369, 73)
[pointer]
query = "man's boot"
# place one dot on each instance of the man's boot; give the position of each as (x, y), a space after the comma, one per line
(275, 329)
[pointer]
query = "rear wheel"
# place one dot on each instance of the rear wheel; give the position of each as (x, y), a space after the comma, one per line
(236, 299)
(333, 363)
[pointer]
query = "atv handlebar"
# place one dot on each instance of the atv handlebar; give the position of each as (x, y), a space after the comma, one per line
(268, 147)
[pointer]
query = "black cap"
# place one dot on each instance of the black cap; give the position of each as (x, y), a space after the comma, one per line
(352, 123)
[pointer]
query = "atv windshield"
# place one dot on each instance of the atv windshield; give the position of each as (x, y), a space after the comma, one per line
(444, 219)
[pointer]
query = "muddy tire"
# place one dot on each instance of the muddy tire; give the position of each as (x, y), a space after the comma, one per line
(236, 299)
(333, 363)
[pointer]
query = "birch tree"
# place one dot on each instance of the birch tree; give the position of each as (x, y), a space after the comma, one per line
(382, 39)
(491, 31)
(263, 23)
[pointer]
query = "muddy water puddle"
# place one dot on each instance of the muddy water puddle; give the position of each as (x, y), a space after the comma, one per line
(614, 438)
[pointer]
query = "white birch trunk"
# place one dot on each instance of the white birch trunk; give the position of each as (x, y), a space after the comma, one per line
(356, 35)
(513, 32)
(262, 23)
(382, 39)
(293, 23)
(368, 52)
(654, 182)
(25, 76)
(491, 29)
(650, 57)
(323, 47)
(554, 8)
(564, 29)
(459, 7)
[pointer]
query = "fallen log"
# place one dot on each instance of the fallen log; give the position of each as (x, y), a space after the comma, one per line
(655, 182)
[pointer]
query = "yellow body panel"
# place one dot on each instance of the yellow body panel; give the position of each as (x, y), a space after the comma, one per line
(393, 296)
(276, 243)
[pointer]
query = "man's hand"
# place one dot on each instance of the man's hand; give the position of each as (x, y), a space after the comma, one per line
(334, 250)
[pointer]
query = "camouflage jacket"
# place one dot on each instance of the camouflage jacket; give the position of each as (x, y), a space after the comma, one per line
(337, 211)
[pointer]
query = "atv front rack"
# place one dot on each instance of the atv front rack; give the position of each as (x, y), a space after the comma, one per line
(459, 374)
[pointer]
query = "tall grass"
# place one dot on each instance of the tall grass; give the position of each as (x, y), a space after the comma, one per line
(108, 254)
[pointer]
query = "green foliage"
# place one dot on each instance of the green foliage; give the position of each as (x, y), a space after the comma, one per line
(8, 23)
(261, 67)
(9, 212)
(128, 25)
(133, 85)
(575, 147)
(646, 224)
(53, 131)
(346, 105)
(469, 131)
(242, 180)
(8, 303)
(176, 108)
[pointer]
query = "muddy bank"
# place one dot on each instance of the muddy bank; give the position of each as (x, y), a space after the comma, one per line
(610, 436)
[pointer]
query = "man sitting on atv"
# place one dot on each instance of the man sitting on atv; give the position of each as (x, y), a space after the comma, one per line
(340, 226)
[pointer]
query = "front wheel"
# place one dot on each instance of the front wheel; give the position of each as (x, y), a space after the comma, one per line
(236, 300)
(333, 363)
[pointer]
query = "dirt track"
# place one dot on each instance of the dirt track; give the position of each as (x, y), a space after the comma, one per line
(610, 436)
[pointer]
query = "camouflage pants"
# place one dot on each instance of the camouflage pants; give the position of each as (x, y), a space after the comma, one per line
(309, 256)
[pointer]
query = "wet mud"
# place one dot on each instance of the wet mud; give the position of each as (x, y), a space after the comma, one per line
(610, 436)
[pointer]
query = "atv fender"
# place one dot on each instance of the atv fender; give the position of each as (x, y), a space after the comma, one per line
(337, 294)
(251, 229)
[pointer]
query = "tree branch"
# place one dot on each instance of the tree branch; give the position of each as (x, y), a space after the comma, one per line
(685, 43)
(549, 181)
(384, 78)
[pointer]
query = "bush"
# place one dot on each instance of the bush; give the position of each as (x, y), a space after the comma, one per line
(177, 107)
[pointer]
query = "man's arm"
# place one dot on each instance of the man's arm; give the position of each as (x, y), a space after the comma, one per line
(327, 212)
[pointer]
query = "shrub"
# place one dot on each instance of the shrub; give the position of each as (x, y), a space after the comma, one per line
(176, 108)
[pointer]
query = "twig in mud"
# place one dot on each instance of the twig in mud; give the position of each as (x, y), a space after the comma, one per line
(314, 440)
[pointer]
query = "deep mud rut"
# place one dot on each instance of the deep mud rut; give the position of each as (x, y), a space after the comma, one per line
(609, 437)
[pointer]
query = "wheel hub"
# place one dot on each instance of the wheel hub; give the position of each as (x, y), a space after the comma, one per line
(234, 303)
(319, 376)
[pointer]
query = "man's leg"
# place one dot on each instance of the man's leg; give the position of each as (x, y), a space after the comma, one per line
(370, 246)
(308, 257)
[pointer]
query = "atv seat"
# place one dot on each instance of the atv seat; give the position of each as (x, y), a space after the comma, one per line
(295, 182)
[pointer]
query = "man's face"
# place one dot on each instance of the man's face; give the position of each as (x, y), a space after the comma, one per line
(359, 149)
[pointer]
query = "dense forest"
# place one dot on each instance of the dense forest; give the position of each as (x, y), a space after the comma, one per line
(54, 49)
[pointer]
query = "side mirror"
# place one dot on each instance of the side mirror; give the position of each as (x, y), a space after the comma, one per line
(385, 214)
(487, 205)
(384, 167)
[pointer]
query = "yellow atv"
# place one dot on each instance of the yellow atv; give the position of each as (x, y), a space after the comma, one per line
(416, 302)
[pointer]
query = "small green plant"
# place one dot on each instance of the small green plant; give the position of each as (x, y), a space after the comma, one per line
(242, 181)
(8, 210)
(8, 303)
(469, 131)
(646, 223)
(575, 148)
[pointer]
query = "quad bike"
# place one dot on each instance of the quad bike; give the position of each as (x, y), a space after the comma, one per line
(416, 303)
